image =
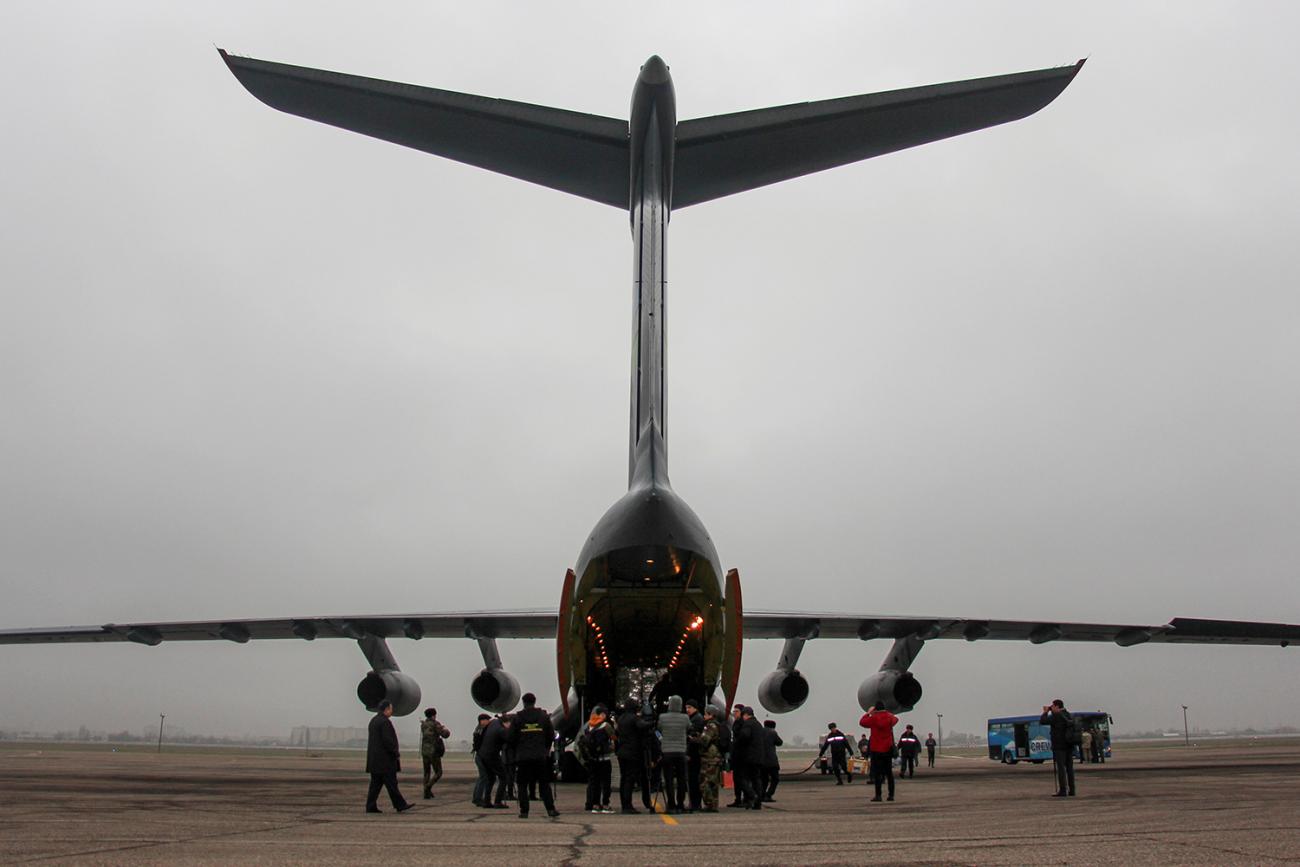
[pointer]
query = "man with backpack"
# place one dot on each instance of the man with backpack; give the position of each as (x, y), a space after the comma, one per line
(1065, 739)
(596, 752)
(432, 748)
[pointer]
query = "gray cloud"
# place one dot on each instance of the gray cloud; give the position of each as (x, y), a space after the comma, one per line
(253, 366)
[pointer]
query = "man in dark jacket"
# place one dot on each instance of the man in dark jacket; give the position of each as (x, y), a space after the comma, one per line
(736, 757)
(841, 748)
(632, 730)
(532, 735)
(752, 742)
(929, 748)
(483, 787)
(489, 753)
(383, 761)
(771, 761)
(1062, 724)
(909, 749)
(693, 789)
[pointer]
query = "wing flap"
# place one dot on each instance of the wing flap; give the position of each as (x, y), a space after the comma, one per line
(582, 154)
(731, 153)
(495, 624)
(1180, 630)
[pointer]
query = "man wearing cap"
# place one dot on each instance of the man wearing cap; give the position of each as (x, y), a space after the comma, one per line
(693, 755)
(383, 760)
(841, 748)
(710, 758)
(432, 748)
(909, 748)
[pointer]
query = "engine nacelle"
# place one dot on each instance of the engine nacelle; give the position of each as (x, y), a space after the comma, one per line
(783, 691)
(398, 688)
(895, 691)
(495, 690)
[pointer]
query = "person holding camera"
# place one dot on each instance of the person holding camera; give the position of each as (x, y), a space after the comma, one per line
(1064, 734)
(880, 723)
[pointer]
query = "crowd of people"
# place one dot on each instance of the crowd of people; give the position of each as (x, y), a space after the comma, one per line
(678, 755)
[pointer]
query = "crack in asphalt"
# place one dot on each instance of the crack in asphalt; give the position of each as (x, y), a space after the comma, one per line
(579, 843)
(149, 844)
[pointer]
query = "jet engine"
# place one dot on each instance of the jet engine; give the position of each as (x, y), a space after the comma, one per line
(893, 690)
(495, 690)
(398, 688)
(783, 691)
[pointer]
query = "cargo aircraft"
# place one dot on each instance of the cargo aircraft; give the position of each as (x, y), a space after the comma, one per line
(647, 610)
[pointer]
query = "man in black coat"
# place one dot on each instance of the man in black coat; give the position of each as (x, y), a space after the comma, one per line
(771, 761)
(489, 752)
(754, 756)
(532, 735)
(632, 730)
(736, 757)
(1062, 724)
(383, 760)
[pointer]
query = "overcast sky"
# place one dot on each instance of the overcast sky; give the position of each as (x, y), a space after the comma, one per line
(253, 366)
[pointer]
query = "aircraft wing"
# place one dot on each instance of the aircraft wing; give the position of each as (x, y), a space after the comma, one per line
(1180, 630)
(473, 624)
(583, 154)
(730, 153)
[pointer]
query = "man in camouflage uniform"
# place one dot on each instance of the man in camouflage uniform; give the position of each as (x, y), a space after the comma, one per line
(710, 759)
(432, 748)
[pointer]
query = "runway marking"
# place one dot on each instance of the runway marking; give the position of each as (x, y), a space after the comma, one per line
(668, 820)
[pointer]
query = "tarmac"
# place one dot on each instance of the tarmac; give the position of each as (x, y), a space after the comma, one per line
(1218, 803)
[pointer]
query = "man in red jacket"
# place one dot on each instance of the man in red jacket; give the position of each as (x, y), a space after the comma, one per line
(880, 723)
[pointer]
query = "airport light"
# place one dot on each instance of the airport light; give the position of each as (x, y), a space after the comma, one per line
(1187, 738)
(161, 717)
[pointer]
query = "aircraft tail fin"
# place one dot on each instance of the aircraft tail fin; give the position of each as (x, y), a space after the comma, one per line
(582, 154)
(731, 153)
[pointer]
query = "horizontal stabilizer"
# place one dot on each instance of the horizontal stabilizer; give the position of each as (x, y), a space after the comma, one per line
(731, 153)
(582, 154)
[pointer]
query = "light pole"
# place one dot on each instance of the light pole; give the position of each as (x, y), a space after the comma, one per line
(940, 716)
(1187, 738)
(161, 717)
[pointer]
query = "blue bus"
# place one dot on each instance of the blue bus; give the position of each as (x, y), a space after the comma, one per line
(1024, 739)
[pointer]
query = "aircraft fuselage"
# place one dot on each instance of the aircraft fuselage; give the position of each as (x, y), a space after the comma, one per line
(646, 609)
